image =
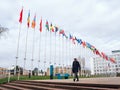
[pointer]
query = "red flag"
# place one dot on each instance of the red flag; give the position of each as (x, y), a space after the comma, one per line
(61, 31)
(41, 25)
(84, 44)
(112, 60)
(97, 52)
(21, 15)
(73, 40)
(103, 55)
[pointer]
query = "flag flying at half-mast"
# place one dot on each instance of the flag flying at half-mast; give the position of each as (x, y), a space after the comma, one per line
(56, 28)
(52, 27)
(47, 25)
(112, 60)
(28, 19)
(34, 22)
(61, 31)
(21, 16)
(41, 25)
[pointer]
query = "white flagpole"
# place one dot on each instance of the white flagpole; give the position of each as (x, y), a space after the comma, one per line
(55, 55)
(66, 58)
(39, 52)
(8, 74)
(45, 51)
(15, 71)
(82, 55)
(32, 52)
(59, 54)
(50, 50)
(69, 54)
(71, 57)
(63, 53)
(25, 51)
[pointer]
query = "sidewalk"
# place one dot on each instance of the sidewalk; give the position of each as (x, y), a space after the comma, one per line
(106, 80)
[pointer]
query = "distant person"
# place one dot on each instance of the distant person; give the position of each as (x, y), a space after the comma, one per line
(75, 68)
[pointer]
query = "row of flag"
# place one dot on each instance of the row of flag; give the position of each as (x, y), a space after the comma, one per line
(62, 32)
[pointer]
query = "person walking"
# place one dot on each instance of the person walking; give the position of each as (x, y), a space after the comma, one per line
(75, 68)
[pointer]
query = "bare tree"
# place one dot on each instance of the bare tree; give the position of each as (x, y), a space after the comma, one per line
(3, 30)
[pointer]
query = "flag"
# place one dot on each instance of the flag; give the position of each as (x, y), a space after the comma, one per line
(83, 44)
(70, 36)
(73, 40)
(79, 41)
(34, 22)
(41, 25)
(97, 52)
(51, 27)
(66, 36)
(61, 31)
(92, 48)
(88, 45)
(56, 28)
(104, 56)
(47, 25)
(112, 60)
(28, 20)
(21, 16)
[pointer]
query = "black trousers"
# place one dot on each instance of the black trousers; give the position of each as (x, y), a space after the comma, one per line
(76, 76)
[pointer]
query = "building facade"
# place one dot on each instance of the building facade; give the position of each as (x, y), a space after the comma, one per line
(101, 66)
(3, 72)
(61, 70)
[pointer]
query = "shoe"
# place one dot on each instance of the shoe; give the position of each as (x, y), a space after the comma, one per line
(74, 80)
(77, 80)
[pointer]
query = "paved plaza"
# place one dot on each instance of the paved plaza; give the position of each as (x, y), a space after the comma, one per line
(105, 80)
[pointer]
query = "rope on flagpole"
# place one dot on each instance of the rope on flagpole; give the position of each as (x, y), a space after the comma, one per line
(32, 52)
(25, 51)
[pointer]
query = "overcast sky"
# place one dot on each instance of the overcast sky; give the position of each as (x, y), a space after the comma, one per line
(94, 21)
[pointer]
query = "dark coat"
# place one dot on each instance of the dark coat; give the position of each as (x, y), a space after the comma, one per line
(75, 66)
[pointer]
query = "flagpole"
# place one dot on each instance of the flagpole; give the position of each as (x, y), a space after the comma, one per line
(9, 75)
(25, 51)
(59, 53)
(66, 58)
(55, 54)
(39, 51)
(50, 49)
(15, 71)
(63, 53)
(71, 60)
(45, 51)
(32, 52)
